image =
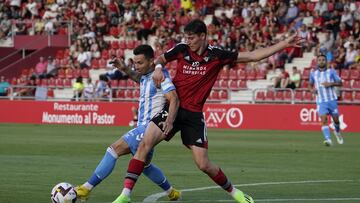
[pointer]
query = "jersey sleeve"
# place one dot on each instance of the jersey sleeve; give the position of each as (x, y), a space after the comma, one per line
(335, 76)
(167, 84)
(175, 52)
(227, 57)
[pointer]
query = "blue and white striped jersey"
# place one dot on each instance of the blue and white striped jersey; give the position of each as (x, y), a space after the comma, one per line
(152, 99)
(324, 94)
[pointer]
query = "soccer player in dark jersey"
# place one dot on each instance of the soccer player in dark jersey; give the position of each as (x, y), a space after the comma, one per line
(198, 65)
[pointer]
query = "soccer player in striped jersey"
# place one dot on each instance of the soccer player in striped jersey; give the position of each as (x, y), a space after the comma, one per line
(152, 100)
(198, 65)
(324, 80)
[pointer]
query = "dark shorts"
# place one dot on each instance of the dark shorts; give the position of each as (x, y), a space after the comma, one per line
(190, 124)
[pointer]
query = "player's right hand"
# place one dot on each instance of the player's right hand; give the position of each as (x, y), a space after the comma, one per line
(158, 77)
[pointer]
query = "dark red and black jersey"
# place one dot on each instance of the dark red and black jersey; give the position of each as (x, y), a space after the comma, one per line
(196, 74)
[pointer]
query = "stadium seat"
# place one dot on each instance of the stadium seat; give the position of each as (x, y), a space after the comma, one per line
(122, 83)
(102, 63)
(232, 74)
(346, 84)
(61, 73)
(37, 81)
(356, 84)
(128, 94)
(306, 74)
(50, 93)
(114, 83)
(223, 95)
(120, 93)
(13, 81)
(119, 53)
(308, 96)
(136, 94)
(69, 73)
(105, 54)
(130, 83)
(357, 96)
(304, 84)
(298, 95)
(287, 96)
(67, 82)
(67, 53)
(77, 73)
(233, 84)
(242, 84)
(51, 82)
(216, 84)
(347, 96)
(85, 73)
(115, 44)
(345, 74)
(241, 74)
(122, 45)
(260, 96)
(251, 75)
(59, 83)
(354, 74)
(214, 95)
(131, 44)
(241, 66)
(44, 82)
(261, 75)
(114, 32)
(224, 84)
(279, 95)
(64, 62)
(59, 54)
(25, 72)
(269, 95)
(95, 64)
(224, 74)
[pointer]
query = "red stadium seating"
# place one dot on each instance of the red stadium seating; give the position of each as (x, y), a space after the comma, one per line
(308, 96)
(224, 74)
(85, 73)
(279, 96)
(345, 74)
(298, 95)
(269, 95)
(242, 84)
(357, 96)
(306, 74)
(95, 64)
(260, 96)
(136, 94)
(122, 83)
(287, 96)
(347, 96)
(356, 84)
(346, 84)
(241, 74)
(115, 44)
(232, 74)
(223, 95)
(251, 75)
(354, 74)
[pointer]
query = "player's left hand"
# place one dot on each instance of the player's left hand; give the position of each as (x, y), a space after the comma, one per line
(167, 127)
(294, 40)
(118, 63)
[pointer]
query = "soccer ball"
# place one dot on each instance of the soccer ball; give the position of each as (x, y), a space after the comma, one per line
(63, 193)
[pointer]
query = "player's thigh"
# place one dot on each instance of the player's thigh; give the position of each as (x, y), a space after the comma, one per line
(322, 109)
(333, 108)
(153, 135)
(200, 155)
(193, 130)
(134, 137)
(121, 147)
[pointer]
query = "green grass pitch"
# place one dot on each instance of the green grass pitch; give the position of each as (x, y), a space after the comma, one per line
(272, 166)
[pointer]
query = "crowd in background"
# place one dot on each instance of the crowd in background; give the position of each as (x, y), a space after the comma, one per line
(242, 25)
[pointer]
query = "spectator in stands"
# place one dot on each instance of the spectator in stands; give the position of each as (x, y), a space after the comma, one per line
(291, 14)
(347, 18)
(294, 79)
(339, 56)
(40, 68)
(333, 24)
(102, 90)
(78, 88)
(322, 7)
(4, 86)
(327, 44)
(29, 89)
(5, 24)
(83, 58)
(51, 68)
(282, 80)
(350, 56)
(89, 90)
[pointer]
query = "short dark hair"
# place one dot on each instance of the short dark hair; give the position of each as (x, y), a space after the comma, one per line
(195, 27)
(322, 55)
(144, 49)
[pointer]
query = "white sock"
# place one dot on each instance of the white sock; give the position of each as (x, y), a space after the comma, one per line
(233, 191)
(126, 192)
(169, 190)
(88, 186)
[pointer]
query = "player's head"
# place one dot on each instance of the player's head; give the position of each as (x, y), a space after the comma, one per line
(195, 34)
(144, 58)
(321, 61)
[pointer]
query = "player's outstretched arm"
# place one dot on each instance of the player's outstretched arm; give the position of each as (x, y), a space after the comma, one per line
(173, 99)
(158, 76)
(262, 53)
(117, 63)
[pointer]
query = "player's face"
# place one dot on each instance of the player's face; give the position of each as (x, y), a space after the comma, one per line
(142, 64)
(321, 60)
(195, 41)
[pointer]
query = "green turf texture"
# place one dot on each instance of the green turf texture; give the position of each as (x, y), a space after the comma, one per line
(34, 158)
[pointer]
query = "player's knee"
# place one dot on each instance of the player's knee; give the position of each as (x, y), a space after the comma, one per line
(204, 166)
